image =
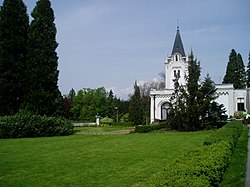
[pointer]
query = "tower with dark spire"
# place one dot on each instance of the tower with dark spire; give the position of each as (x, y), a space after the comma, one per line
(176, 65)
(178, 46)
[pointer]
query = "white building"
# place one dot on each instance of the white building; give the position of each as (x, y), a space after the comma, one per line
(177, 65)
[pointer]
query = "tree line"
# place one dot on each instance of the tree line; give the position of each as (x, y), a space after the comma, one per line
(87, 103)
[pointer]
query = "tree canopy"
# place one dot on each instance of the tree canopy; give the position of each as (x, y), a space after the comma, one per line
(235, 72)
(87, 103)
(14, 24)
(193, 105)
(43, 95)
(248, 71)
(136, 107)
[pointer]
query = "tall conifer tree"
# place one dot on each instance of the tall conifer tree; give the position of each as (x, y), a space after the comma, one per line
(235, 73)
(248, 71)
(193, 110)
(240, 76)
(14, 23)
(135, 106)
(210, 111)
(230, 72)
(44, 96)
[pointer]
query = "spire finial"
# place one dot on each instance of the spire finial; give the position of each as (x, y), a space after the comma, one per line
(178, 25)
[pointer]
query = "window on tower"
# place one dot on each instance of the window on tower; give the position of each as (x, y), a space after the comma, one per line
(179, 73)
(176, 57)
(174, 73)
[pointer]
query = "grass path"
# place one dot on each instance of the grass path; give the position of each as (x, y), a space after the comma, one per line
(91, 160)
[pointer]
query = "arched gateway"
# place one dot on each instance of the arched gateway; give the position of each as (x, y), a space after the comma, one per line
(165, 107)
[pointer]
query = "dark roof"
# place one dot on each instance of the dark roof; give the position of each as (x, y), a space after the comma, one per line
(178, 46)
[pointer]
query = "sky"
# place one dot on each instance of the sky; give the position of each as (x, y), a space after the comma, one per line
(112, 43)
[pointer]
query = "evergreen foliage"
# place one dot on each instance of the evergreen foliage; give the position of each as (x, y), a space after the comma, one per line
(43, 95)
(193, 105)
(235, 73)
(28, 125)
(204, 165)
(192, 109)
(248, 72)
(240, 81)
(135, 106)
(14, 23)
(177, 115)
(211, 111)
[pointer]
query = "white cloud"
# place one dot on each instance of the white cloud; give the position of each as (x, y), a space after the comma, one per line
(122, 93)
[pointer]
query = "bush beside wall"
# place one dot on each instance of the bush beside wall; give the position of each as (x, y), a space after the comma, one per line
(28, 125)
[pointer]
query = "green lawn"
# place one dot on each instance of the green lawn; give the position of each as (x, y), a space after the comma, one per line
(100, 129)
(91, 160)
(236, 172)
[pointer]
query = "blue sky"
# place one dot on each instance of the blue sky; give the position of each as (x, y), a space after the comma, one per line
(112, 43)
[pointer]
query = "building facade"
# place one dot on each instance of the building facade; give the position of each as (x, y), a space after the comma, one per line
(176, 65)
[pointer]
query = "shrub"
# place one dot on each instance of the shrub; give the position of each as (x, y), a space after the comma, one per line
(203, 165)
(106, 121)
(230, 132)
(238, 114)
(146, 128)
(28, 125)
(122, 124)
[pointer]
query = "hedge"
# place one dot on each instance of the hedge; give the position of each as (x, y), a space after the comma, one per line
(149, 128)
(28, 125)
(230, 132)
(122, 124)
(203, 165)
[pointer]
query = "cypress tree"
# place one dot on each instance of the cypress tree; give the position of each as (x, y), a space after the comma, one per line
(235, 73)
(193, 110)
(44, 96)
(177, 115)
(206, 100)
(14, 23)
(230, 72)
(135, 106)
(248, 72)
(240, 75)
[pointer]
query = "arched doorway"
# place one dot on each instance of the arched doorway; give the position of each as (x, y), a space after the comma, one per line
(164, 110)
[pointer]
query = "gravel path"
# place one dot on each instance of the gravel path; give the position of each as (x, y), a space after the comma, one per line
(112, 132)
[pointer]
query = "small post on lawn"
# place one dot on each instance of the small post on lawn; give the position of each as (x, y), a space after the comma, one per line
(97, 119)
(116, 108)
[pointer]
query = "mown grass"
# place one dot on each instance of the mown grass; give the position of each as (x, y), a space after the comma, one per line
(236, 173)
(100, 129)
(91, 160)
